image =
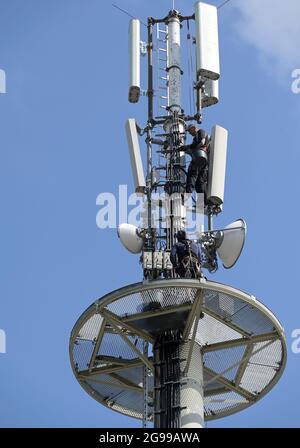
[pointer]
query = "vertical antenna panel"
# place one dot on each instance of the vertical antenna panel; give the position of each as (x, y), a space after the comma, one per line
(211, 93)
(217, 165)
(207, 41)
(134, 61)
(135, 155)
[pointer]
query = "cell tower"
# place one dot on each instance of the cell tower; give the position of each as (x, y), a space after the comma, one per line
(177, 349)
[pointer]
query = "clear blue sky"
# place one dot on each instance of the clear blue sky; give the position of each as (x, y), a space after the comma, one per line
(62, 143)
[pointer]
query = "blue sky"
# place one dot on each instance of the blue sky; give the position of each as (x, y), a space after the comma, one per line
(62, 143)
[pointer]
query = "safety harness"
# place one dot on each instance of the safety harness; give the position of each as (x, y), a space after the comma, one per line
(190, 261)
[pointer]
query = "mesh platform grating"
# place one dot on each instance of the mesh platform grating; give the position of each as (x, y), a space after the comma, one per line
(243, 344)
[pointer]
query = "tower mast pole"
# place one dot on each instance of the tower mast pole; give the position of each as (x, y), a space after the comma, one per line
(176, 381)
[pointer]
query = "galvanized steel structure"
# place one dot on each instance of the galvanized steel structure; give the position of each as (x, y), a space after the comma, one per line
(168, 350)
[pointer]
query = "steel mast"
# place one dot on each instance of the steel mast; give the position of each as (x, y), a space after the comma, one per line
(170, 350)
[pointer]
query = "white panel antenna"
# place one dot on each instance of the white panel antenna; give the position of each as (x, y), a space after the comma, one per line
(207, 41)
(211, 93)
(217, 165)
(135, 155)
(134, 61)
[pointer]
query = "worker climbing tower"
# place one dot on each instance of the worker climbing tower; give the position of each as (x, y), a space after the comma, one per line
(178, 349)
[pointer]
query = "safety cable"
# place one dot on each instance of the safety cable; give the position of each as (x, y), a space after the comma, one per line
(133, 17)
(223, 4)
(127, 13)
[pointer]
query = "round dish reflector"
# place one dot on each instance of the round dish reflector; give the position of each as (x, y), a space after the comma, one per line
(130, 238)
(232, 243)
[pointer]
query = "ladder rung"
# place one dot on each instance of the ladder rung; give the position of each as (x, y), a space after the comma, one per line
(163, 60)
(163, 107)
(162, 49)
(162, 31)
(164, 78)
(163, 97)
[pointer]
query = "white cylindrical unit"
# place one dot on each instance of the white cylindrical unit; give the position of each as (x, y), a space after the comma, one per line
(174, 61)
(217, 165)
(191, 391)
(134, 61)
(207, 41)
(211, 93)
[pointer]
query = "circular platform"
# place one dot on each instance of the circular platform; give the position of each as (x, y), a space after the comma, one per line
(243, 344)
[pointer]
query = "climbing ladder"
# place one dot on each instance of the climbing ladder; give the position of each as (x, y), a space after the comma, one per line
(162, 66)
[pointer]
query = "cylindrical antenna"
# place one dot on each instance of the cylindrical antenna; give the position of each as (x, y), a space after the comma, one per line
(174, 61)
(134, 57)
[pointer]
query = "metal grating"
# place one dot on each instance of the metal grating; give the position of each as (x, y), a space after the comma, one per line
(222, 403)
(241, 314)
(157, 299)
(221, 360)
(262, 367)
(211, 331)
(243, 345)
(91, 328)
(113, 345)
(82, 353)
